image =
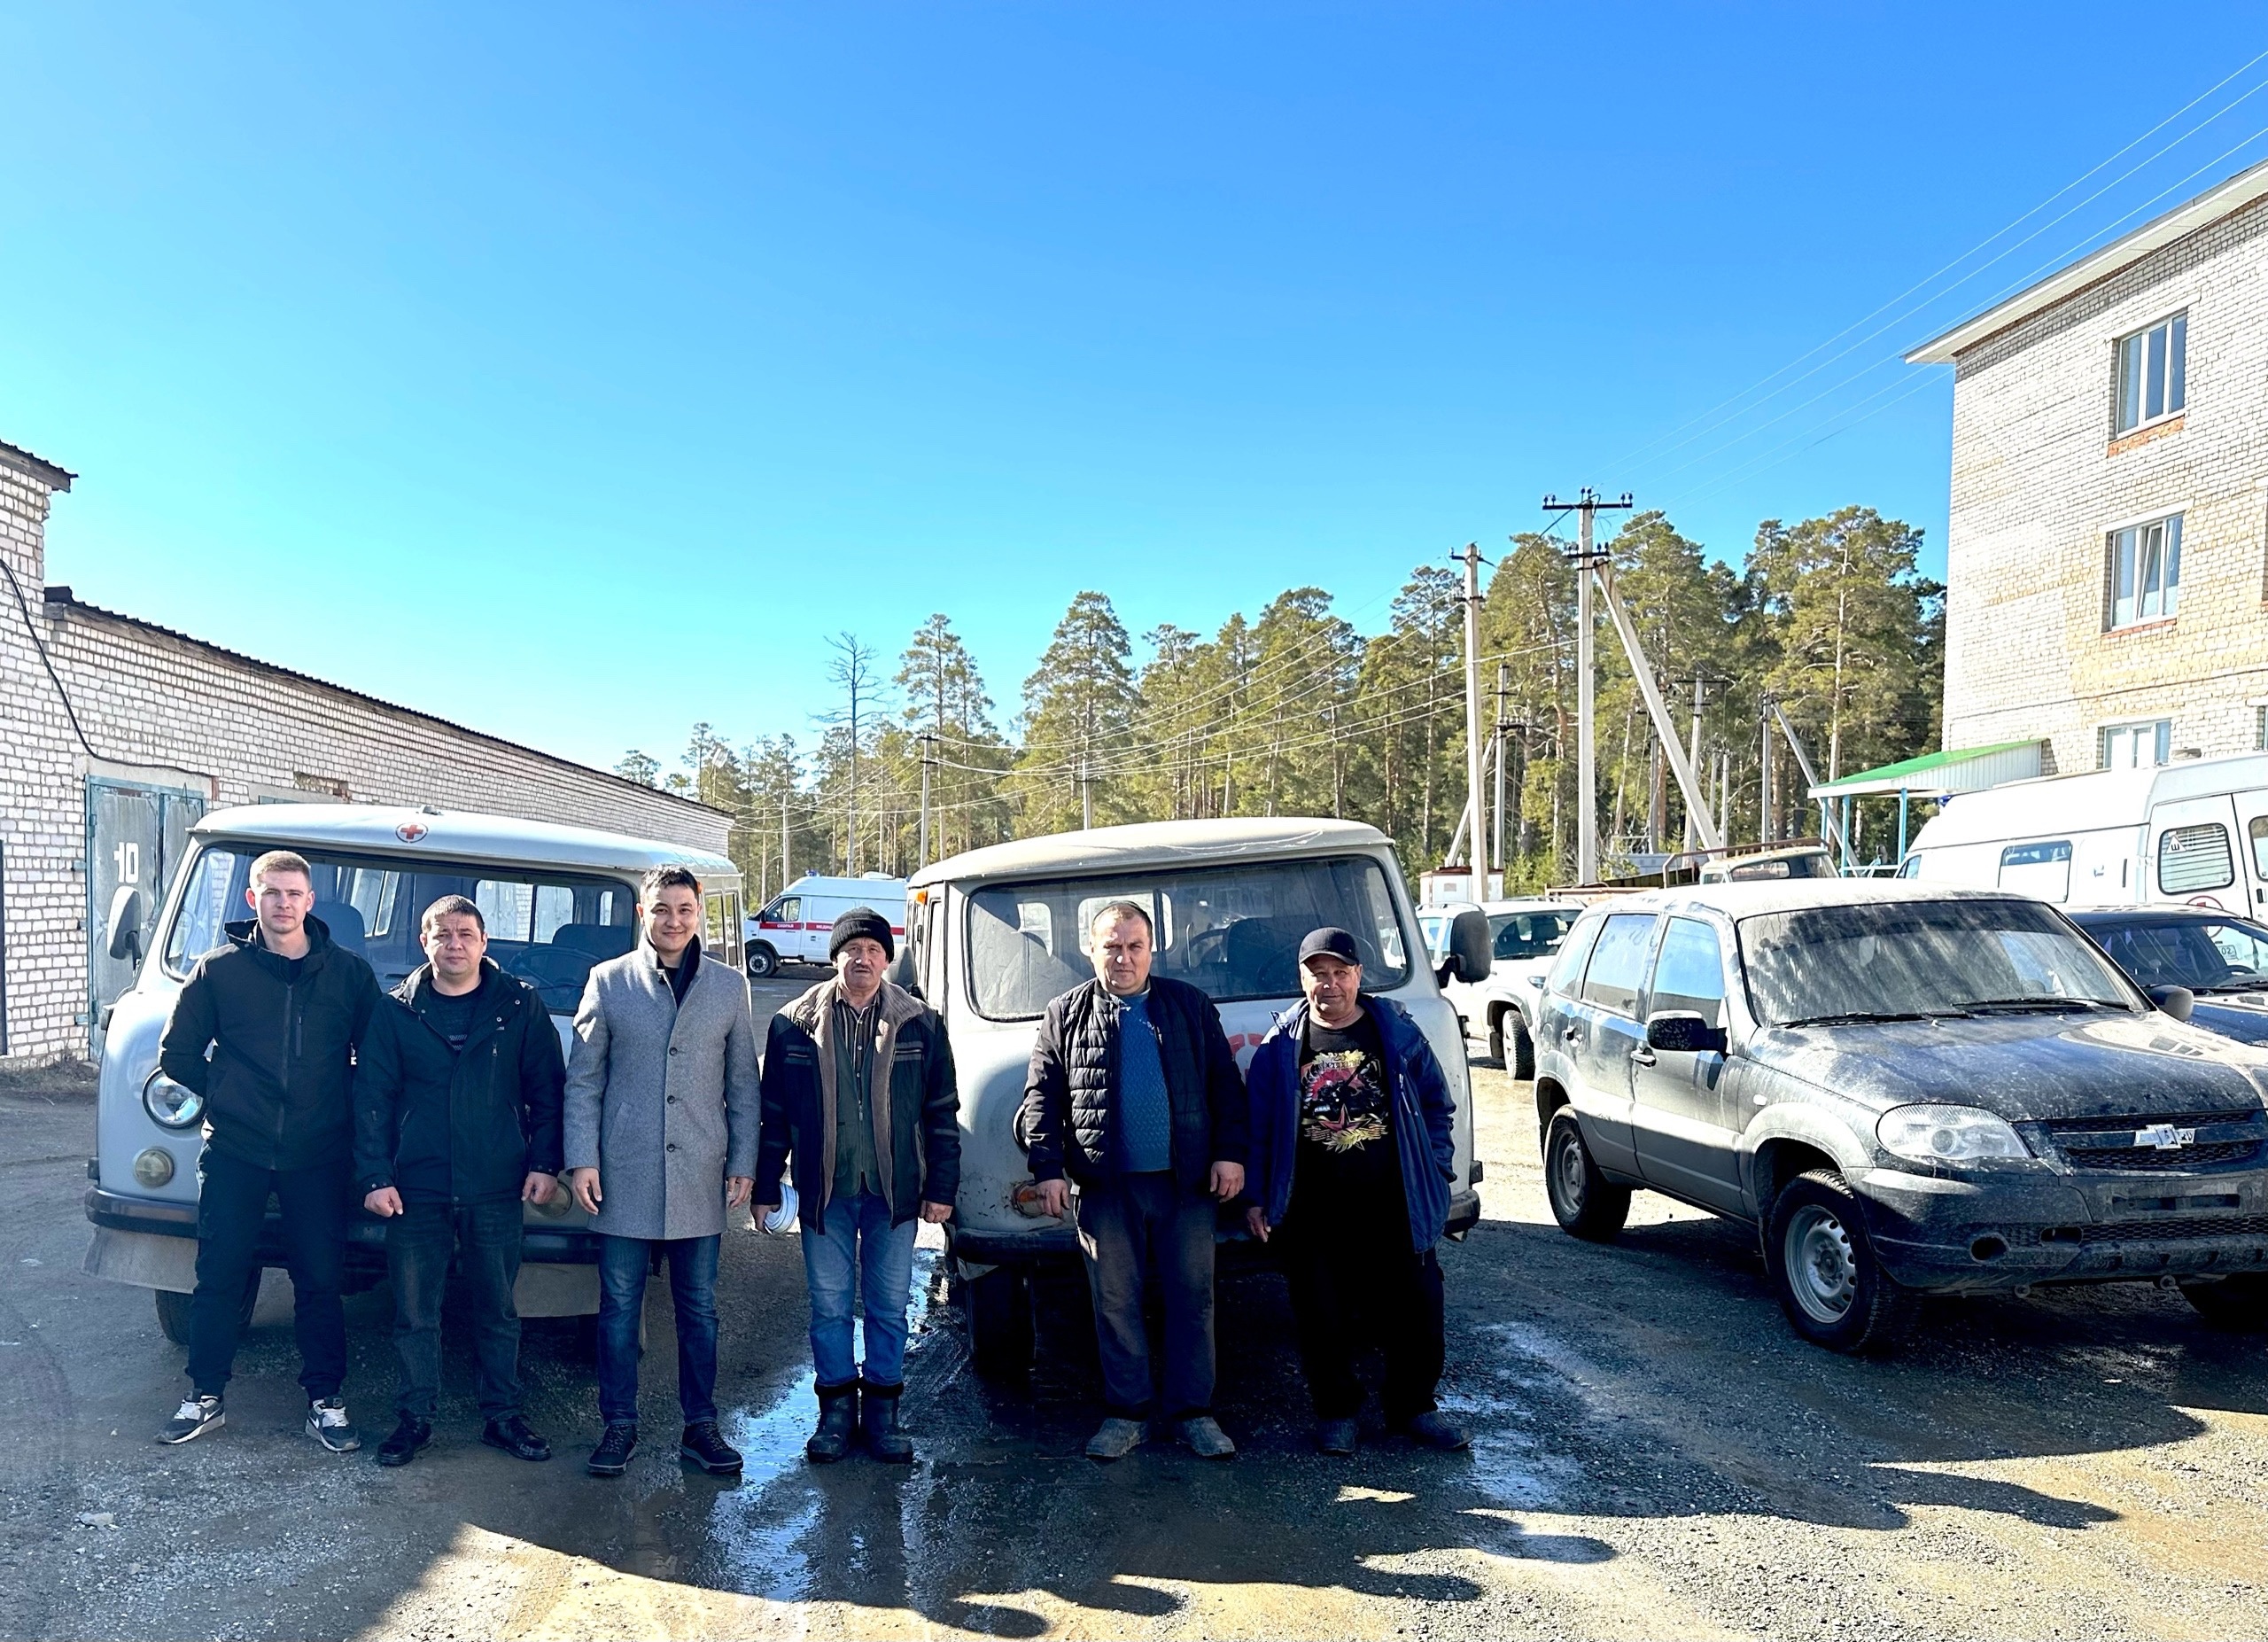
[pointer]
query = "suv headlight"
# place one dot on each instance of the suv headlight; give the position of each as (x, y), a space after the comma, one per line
(1946, 1134)
(171, 1105)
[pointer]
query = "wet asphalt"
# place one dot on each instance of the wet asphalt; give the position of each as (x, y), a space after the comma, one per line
(1655, 1455)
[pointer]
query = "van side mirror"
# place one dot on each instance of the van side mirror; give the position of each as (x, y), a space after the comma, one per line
(2175, 1000)
(123, 933)
(1469, 951)
(1684, 1031)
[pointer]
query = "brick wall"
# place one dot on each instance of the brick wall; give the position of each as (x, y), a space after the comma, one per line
(2038, 482)
(147, 698)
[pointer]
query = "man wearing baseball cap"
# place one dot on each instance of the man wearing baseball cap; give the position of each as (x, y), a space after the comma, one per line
(859, 1092)
(1349, 1183)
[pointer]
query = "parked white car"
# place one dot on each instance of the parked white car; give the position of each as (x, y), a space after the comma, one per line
(557, 900)
(794, 925)
(2194, 832)
(996, 932)
(1523, 937)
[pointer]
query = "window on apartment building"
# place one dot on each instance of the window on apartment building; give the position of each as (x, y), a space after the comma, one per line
(2153, 371)
(2260, 729)
(2137, 746)
(2145, 572)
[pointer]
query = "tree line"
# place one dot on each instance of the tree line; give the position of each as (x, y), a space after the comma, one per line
(1294, 712)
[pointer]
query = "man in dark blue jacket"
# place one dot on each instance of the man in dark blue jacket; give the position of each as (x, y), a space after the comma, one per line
(1352, 1159)
(1133, 1097)
(457, 1124)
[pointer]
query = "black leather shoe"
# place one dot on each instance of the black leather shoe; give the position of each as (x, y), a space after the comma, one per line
(704, 1444)
(838, 1423)
(407, 1438)
(611, 1457)
(878, 1422)
(511, 1433)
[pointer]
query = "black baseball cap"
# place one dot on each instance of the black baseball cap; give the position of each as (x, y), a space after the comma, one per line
(1328, 942)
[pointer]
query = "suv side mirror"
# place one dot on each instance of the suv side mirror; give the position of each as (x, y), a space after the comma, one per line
(1683, 1030)
(2175, 1000)
(1470, 949)
(123, 933)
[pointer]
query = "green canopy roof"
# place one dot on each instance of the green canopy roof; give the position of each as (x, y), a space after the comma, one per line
(1964, 769)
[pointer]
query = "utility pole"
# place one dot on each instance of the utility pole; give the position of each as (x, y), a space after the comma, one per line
(1476, 849)
(785, 870)
(1086, 795)
(1764, 771)
(1693, 757)
(1585, 558)
(928, 751)
(1501, 673)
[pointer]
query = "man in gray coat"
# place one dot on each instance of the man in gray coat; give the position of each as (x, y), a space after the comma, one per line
(661, 1115)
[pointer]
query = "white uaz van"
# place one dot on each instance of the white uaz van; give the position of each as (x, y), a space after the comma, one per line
(557, 900)
(996, 933)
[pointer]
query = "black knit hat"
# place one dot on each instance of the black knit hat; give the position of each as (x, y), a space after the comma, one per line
(860, 921)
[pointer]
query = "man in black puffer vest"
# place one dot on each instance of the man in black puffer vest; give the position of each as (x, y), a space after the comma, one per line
(457, 1109)
(266, 1029)
(1134, 1094)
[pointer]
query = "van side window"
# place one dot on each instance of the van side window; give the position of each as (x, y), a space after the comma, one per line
(1691, 972)
(2258, 828)
(1618, 968)
(2195, 858)
(2043, 870)
(720, 919)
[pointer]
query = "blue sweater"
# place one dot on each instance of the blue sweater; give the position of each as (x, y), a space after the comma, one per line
(1145, 1109)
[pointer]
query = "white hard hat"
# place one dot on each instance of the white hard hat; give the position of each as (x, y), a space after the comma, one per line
(781, 1219)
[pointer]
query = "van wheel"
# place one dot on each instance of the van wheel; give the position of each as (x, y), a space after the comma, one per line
(2238, 1304)
(1833, 1289)
(762, 961)
(1585, 1202)
(173, 1312)
(999, 1307)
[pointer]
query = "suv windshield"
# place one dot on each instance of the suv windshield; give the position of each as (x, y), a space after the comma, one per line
(549, 928)
(1529, 934)
(1234, 931)
(1920, 959)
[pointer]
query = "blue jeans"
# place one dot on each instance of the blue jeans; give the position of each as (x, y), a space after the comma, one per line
(622, 1302)
(859, 1239)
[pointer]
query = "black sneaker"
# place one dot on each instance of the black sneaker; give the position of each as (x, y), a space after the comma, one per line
(194, 1418)
(704, 1445)
(511, 1433)
(402, 1447)
(328, 1424)
(617, 1443)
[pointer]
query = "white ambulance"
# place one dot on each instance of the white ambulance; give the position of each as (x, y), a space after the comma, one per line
(794, 925)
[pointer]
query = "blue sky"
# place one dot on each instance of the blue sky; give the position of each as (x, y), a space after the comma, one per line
(574, 372)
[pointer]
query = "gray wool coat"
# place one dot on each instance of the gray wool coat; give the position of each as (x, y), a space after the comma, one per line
(662, 1097)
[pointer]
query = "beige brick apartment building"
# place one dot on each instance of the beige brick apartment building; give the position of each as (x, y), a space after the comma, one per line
(2108, 555)
(116, 735)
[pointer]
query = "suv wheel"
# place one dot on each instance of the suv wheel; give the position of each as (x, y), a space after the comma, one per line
(1834, 1291)
(2237, 1303)
(1585, 1202)
(1521, 1065)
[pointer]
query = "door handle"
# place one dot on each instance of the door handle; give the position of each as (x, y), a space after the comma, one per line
(1643, 1055)
(1573, 1034)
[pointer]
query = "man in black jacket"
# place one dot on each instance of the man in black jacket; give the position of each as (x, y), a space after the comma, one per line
(859, 1089)
(457, 1124)
(266, 1029)
(1134, 1094)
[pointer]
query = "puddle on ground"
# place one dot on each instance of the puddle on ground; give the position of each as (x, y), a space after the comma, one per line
(1510, 1462)
(757, 1529)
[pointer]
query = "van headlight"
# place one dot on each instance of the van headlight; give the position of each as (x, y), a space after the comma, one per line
(1946, 1134)
(171, 1105)
(153, 1168)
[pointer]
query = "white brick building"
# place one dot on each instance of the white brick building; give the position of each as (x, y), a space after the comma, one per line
(2108, 552)
(111, 725)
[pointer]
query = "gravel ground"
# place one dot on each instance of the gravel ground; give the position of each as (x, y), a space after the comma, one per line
(1656, 1455)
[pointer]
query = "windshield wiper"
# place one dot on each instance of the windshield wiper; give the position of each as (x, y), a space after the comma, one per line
(1859, 1017)
(2254, 985)
(2050, 1005)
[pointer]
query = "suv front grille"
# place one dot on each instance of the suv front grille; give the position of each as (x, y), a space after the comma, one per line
(2170, 1230)
(2216, 1140)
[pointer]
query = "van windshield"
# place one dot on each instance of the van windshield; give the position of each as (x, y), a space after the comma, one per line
(1234, 931)
(546, 927)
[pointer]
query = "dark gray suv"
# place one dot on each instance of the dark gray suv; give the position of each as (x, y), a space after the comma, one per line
(1907, 1090)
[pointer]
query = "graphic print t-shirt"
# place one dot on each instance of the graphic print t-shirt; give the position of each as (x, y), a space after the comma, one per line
(1346, 1159)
